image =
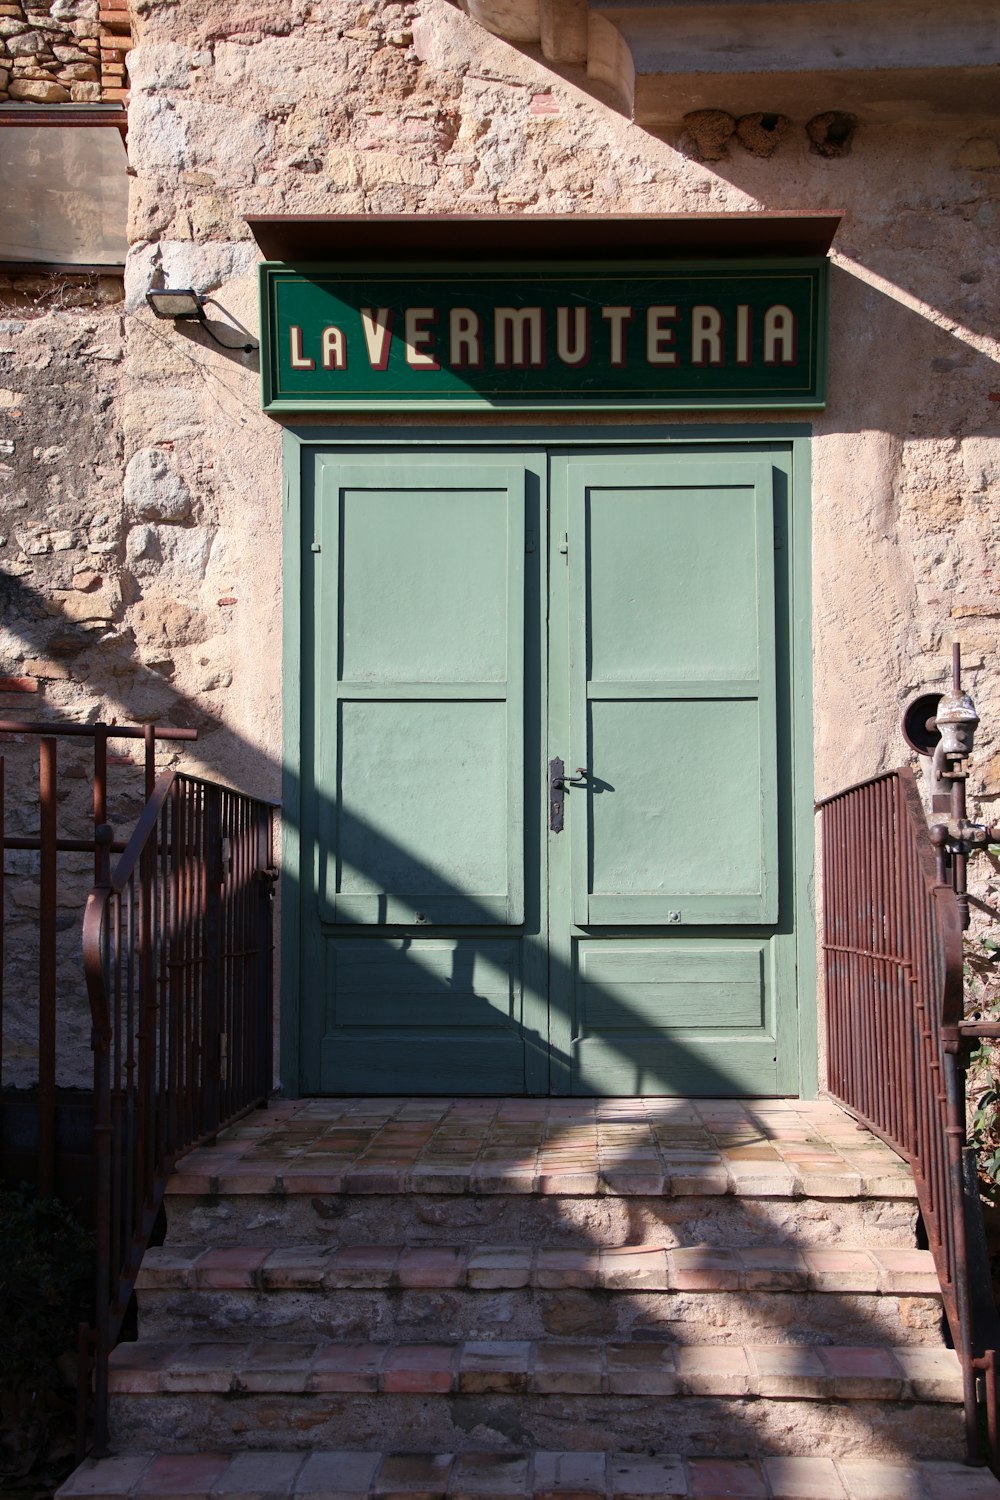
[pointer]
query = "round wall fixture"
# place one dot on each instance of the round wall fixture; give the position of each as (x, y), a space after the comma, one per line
(916, 731)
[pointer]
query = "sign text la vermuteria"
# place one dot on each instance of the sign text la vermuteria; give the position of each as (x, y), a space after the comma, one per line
(691, 337)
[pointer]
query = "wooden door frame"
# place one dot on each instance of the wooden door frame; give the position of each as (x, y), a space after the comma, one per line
(300, 442)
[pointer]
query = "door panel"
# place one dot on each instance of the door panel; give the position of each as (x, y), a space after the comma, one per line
(672, 690)
(421, 672)
(627, 987)
(675, 1016)
(423, 945)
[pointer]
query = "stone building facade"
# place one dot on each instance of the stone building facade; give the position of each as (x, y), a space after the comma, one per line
(141, 505)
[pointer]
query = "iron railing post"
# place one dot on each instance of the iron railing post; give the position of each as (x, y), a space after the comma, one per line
(265, 947)
(211, 1038)
(98, 905)
(47, 771)
(3, 881)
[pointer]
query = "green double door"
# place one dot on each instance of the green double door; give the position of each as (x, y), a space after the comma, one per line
(545, 757)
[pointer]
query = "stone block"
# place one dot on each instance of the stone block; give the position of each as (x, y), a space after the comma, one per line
(260, 1476)
(294, 1268)
(638, 1477)
(699, 1268)
(499, 1366)
(979, 154)
(713, 1370)
(416, 1476)
(566, 1268)
(572, 1476)
(229, 1268)
(786, 1371)
(347, 1368)
(154, 490)
(279, 1367)
(863, 1374)
(803, 1479)
(873, 1479)
(432, 1267)
(333, 1474)
(419, 1368)
(106, 1476)
(490, 1476)
(930, 1374)
(36, 91)
(494, 1268)
(568, 1369)
(720, 1478)
(642, 1370)
(182, 1474)
(634, 1269)
(201, 1367)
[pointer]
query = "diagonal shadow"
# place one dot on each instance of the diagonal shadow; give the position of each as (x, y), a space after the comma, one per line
(632, 1220)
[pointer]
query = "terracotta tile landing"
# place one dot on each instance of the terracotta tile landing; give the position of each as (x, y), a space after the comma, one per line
(779, 1148)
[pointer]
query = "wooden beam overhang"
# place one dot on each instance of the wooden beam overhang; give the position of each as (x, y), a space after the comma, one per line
(888, 60)
(325, 238)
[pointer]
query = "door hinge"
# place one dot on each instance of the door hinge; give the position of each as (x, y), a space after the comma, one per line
(315, 547)
(529, 542)
(564, 543)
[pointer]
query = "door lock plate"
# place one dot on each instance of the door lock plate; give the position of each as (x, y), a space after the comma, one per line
(557, 795)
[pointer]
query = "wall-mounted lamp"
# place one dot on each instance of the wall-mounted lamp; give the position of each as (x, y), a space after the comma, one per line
(183, 305)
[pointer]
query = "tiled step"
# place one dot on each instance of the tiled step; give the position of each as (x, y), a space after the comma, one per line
(837, 1402)
(693, 1295)
(618, 1148)
(776, 1268)
(782, 1371)
(351, 1475)
(738, 1275)
(723, 1400)
(544, 1172)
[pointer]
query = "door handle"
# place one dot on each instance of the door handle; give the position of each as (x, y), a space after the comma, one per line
(558, 784)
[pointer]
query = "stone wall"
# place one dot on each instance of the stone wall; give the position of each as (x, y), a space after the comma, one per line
(171, 564)
(63, 51)
(61, 612)
(399, 108)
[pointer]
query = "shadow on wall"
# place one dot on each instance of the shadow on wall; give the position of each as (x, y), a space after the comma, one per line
(894, 369)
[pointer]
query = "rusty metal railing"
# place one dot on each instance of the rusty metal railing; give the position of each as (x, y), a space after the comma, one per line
(897, 1048)
(177, 944)
(33, 831)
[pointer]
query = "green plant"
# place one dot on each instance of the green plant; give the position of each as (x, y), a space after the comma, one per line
(46, 1275)
(982, 987)
(985, 1136)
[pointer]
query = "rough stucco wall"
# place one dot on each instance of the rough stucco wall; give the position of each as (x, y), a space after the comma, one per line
(398, 108)
(62, 640)
(238, 108)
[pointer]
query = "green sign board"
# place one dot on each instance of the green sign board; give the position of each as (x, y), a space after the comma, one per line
(689, 337)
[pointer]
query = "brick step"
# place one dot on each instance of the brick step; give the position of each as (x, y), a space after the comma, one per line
(782, 1371)
(599, 1172)
(568, 1148)
(694, 1296)
(352, 1475)
(697, 1426)
(775, 1268)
